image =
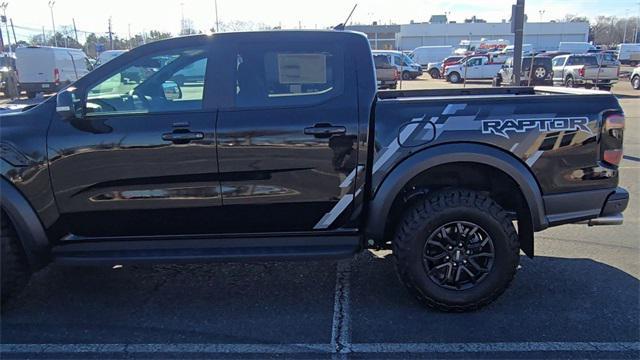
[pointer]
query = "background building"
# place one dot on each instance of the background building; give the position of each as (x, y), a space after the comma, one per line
(381, 37)
(542, 36)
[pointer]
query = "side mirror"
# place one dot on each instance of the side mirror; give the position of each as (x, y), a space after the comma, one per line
(171, 90)
(66, 105)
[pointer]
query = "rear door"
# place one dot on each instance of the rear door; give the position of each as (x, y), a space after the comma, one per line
(558, 68)
(288, 146)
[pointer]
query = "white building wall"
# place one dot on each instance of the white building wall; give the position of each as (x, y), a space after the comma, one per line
(543, 36)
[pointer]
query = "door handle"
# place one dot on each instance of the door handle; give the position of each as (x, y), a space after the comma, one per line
(182, 137)
(325, 130)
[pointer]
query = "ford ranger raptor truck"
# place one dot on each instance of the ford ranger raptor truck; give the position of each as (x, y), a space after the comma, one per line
(278, 146)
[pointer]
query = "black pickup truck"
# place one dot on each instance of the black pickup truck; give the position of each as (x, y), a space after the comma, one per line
(281, 148)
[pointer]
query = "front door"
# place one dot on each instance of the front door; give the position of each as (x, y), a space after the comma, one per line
(288, 148)
(141, 159)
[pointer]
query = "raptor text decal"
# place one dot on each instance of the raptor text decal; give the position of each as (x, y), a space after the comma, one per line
(503, 127)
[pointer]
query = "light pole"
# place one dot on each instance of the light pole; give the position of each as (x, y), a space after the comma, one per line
(53, 23)
(6, 22)
(215, 4)
(626, 24)
(446, 30)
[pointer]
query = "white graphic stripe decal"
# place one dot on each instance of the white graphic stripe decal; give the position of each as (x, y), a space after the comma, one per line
(332, 215)
(533, 158)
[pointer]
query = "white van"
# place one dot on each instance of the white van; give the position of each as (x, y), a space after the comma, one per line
(629, 54)
(408, 68)
(575, 47)
(424, 55)
(109, 55)
(49, 69)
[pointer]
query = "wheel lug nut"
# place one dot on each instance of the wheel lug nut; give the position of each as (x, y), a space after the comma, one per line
(455, 264)
(468, 252)
(460, 245)
(447, 258)
(450, 247)
(464, 262)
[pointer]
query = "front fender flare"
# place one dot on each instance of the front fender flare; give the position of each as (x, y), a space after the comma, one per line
(30, 231)
(419, 162)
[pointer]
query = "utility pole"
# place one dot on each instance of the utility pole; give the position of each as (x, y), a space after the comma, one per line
(129, 30)
(215, 4)
(626, 23)
(44, 37)
(517, 27)
(75, 30)
(13, 30)
(53, 23)
(110, 35)
(182, 27)
(1, 41)
(3, 6)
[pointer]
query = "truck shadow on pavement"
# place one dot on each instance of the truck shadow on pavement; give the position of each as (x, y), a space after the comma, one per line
(551, 299)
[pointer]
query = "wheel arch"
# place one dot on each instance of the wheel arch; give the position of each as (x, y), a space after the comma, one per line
(420, 163)
(31, 232)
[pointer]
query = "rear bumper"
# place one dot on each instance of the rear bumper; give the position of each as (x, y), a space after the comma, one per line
(46, 87)
(595, 207)
(596, 82)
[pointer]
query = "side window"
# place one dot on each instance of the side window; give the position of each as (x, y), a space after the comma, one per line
(397, 59)
(279, 74)
(558, 61)
(163, 82)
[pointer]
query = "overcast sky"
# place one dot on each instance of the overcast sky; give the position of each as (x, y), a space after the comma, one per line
(92, 15)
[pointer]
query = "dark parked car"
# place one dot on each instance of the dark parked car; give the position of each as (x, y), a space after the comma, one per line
(287, 151)
(540, 75)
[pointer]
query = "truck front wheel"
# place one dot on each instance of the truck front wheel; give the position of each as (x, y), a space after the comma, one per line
(454, 78)
(14, 269)
(456, 250)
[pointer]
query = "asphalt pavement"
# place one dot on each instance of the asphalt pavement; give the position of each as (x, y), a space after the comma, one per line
(579, 298)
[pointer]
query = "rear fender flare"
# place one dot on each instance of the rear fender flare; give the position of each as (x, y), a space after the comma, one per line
(424, 160)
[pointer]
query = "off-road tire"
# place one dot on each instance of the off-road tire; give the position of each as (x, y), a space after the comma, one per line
(14, 270)
(496, 81)
(406, 76)
(434, 73)
(432, 212)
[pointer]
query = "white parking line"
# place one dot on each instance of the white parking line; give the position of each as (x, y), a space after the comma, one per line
(417, 348)
(497, 347)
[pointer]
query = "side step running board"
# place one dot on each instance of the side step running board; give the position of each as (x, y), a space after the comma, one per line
(122, 251)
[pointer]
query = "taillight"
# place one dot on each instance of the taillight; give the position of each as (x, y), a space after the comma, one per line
(56, 75)
(612, 139)
(581, 72)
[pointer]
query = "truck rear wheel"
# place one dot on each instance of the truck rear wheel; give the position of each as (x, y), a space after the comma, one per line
(569, 82)
(456, 250)
(14, 269)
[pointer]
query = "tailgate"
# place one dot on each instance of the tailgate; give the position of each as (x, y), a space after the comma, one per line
(386, 74)
(605, 72)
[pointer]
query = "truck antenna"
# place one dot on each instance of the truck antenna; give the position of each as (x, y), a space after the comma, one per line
(342, 26)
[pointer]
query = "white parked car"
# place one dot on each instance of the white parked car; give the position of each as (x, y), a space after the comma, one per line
(635, 78)
(473, 68)
(576, 47)
(629, 54)
(408, 68)
(584, 70)
(424, 55)
(49, 69)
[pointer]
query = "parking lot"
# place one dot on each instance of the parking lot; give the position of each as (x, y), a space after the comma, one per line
(579, 298)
